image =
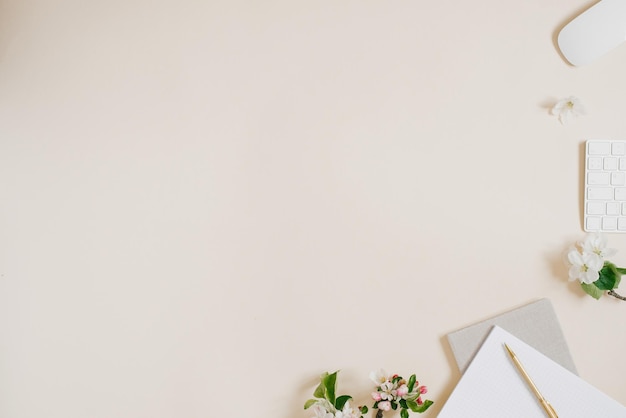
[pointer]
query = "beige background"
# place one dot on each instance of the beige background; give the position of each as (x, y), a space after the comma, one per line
(206, 204)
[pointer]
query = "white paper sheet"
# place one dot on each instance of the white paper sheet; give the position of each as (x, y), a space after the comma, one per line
(492, 387)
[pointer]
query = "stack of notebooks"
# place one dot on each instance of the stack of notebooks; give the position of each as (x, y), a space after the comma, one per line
(492, 386)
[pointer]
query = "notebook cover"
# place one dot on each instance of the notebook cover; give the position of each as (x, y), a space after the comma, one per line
(535, 323)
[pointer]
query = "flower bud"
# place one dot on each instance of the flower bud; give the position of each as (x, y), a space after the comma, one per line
(385, 405)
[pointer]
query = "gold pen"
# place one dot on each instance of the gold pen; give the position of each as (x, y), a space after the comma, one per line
(546, 405)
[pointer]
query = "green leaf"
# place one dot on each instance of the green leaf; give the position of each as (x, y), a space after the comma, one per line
(404, 414)
(341, 401)
(394, 405)
(363, 409)
(423, 407)
(320, 391)
(592, 290)
(413, 406)
(618, 275)
(412, 381)
(330, 382)
(403, 403)
(310, 403)
(608, 277)
(412, 396)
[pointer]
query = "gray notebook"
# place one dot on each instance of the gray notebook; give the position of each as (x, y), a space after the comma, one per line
(536, 324)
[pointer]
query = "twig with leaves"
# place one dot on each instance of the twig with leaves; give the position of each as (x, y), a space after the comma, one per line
(326, 403)
(589, 265)
(392, 393)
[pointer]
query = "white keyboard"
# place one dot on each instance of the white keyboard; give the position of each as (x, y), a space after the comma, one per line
(605, 186)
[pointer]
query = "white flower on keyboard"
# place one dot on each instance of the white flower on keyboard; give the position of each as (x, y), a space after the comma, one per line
(590, 266)
(568, 108)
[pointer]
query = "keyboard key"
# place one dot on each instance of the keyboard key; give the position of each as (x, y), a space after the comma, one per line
(593, 223)
(598, 148)
(600, 178)
(613, 208)
(595, 163)
(599, 193)
(610, 163)
(609, 223)
(620, 193)
(618, 148)
(618, 178)
(598, 208)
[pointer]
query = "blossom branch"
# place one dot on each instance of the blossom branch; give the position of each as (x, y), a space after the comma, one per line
(393, 392)
(615, 295)
(591, 267)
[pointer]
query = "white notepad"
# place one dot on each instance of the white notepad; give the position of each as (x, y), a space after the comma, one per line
(492, 387)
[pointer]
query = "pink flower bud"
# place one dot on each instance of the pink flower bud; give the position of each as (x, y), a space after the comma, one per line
(376, 396)
(402, 390)
(423, 389)
(384, 405)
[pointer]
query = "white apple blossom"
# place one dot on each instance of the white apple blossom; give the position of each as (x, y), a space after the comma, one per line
(387, 390)
(568, 108)
(585, 267)
(596, 244)
(323, 409)
(347, 412)
(321, 412)
(590, 266)
(379, 377)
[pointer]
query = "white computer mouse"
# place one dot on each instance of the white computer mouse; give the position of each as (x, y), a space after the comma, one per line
(595, 32)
